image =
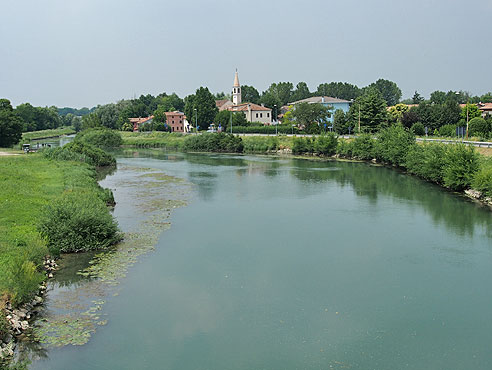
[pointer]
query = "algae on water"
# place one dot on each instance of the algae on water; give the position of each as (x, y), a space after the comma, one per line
(75, 312)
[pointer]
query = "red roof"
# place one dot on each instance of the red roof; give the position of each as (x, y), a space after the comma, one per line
(246, 106)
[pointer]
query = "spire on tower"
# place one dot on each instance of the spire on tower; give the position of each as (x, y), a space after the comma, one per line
(236, 80)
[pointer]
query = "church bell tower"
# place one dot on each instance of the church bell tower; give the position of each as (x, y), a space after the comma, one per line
(236, 91)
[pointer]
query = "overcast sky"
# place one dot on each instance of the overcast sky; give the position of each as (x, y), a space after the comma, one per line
(87, 52)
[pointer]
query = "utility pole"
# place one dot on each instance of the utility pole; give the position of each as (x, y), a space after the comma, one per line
(359, 118)
(276, 122)
(231, 121)
(196, 121)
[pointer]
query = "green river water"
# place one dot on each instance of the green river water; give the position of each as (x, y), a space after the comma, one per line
(282, 263)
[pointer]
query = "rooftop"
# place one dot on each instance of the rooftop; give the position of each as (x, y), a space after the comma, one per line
(320, 99)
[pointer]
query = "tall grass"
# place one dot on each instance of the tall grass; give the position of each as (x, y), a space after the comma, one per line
(43, 134)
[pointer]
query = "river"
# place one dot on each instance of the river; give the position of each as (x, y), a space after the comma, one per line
(281, 263)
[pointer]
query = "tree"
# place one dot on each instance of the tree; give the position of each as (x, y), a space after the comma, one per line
(301, 92)
(311, 116)
(438, 97)
(389, 91)
(340, 122)
(171, 103)
(160, 115)
(417, 99)
(396, 112)
(270, 100)
(281, 91)
(223, 118)
(91, 121)
(371, 108)
(486, 98)
(10, 125)
(341, 90)
(201, 108)
(409, 118)
(470, 111)
(250, 94)
(478, 127)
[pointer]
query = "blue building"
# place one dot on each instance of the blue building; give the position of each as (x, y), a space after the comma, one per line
(333, 103)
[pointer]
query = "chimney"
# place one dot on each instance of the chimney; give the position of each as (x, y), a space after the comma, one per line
(322, 99)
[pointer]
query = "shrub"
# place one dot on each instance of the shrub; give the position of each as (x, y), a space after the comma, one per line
(100, 137)
(345, 148)
(78, 222)
(213, 142)
(325, 144)
(478, 127)
(393, 144)
(418, 129)
(482, 181)
(80, 151)
(461, 164)
(260, 144)
(364, 147)
(427, 161)
(302, 145)
(447, 130)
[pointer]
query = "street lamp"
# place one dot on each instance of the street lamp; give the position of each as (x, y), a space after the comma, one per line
(231, 120)
(196, 121)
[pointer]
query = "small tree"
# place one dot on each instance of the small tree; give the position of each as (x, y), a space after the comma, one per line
(10, 125)
(478, 127)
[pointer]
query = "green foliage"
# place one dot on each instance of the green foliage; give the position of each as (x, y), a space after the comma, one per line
(345, 148)
(78, 222)
(478, 127)
(260, 144)
(321, 145)
(265, 129)
(201, 108)
(47, 133)
(278, 93)
(223, 118)
(389, 90)
(427, 161)
(172, 141)
(250, 94)
(482, 181)
(80, 151)
(311, 116)
(462, 162)
(100, 137)
(10, 125)
(393, 144)
(363, 147)
(39, 118)
(341, 90)
(470, 111)
(371, 107)
(214, 142)
(301, 92)
(447, 131)
(418, 129)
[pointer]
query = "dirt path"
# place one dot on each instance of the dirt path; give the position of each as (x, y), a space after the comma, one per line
(4, 154)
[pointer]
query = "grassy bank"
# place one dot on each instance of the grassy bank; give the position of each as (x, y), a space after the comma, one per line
(44, 134)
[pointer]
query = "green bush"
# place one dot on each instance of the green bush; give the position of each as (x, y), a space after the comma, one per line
(214, 142)
(418, 129)
(100, 137)
(78, 222)
(393, 144)
(262, 129)
(447, 131)
(302, 145)
(461, 165)
(261, 144)
(364, 147)
(427, 161)
(325, 144)
(345, 148)
(83, 152)
(482, 181)
(478, 127)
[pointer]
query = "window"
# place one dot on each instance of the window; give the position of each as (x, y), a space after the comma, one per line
(261, 115)
(256, 115)
(268, 114)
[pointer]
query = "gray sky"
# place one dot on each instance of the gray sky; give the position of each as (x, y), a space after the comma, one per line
(87, 52)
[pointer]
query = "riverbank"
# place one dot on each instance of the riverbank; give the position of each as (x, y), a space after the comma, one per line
(455, 167)
(47, 134)
(31, 188)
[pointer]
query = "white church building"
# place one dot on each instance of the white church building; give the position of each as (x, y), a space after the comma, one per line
(253, 112)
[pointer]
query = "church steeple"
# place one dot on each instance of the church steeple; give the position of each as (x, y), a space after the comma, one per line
(236, 90)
